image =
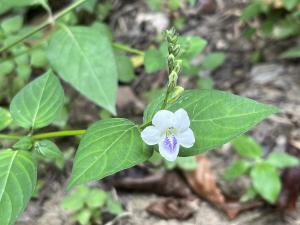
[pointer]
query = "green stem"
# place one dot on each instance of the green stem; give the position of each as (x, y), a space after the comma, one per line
(55, 134)
(128, 49)
(49, 21)
(10, 137)
(145, 125)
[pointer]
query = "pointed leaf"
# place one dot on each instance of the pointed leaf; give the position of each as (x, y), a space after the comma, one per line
(83, 57)
(282, 160)
(216, 117)
(247, 147)
(17, 183)
(38, 103)
(266, 181)
(108, 147)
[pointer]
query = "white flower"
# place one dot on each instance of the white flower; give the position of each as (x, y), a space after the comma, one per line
(169, 131)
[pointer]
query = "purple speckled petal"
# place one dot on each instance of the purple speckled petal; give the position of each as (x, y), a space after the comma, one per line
(169, 148)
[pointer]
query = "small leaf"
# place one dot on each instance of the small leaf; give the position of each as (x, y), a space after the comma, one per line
(5, 118)
(236, 169)
(282, 160)
(83, 217)
(91, 66)
(290, 4)
(192, 46)
(213, 60)
(73, 202)
(96, 198)
(249, 195)
(154, 60)
(49, 149)
(266, 181)
(6, 68)
(114, 206)
(125, 68)
(38, 103)
(247, 147)
(205, 83)
(216, 117)
(24, 143)
(108, 146)
(17, 184)
(12, 24)
(291, 53)
(38, 58)
(187, 163)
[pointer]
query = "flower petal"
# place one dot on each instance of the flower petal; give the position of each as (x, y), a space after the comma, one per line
(169, 148)
(163, 119)
(186, 138)
(182, 120)
(151, 135)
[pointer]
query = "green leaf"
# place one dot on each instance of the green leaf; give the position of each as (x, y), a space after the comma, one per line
(12, 24)
(49, 149)
(38, 103)
(17, 184)
(213, 60)
(291, 53)
(38, 58)
(154, 60)
(266, 181)
(249, 195)
(191, 45)
(6, 67)
(282, 160)
(83, 217)
(91, 66)
(108, 147)
(290, 4)
(205, 83)
(73, 202)
(216, 117)
(125, 68)
(246, 146)
(114, 206)
(5, 118)
(252, 10)
(236, 169)
(187, 163)
(24, 143)
(96, 198)
(23, 71)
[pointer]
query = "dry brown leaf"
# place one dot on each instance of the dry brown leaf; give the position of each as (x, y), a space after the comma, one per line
(203, 182)
(171, 208)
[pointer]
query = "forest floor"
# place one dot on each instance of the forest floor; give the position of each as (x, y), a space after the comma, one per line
(271, 81)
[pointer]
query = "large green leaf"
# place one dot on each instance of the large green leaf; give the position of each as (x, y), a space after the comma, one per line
(83, 56)
(108, 147)
(17, 183)
(38, 103)
(266, 181)
(216, 117)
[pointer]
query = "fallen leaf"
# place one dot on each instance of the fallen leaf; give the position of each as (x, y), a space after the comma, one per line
(171, 208)
(203, 182)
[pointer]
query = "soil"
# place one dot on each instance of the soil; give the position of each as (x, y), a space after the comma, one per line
(271, 81)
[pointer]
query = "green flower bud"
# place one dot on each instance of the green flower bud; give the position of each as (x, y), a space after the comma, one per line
(176, 93)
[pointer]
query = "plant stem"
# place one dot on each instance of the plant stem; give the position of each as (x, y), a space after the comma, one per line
(10, 137)
(64, 133)
(128, 49)
(145, 125)
(49, 21)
